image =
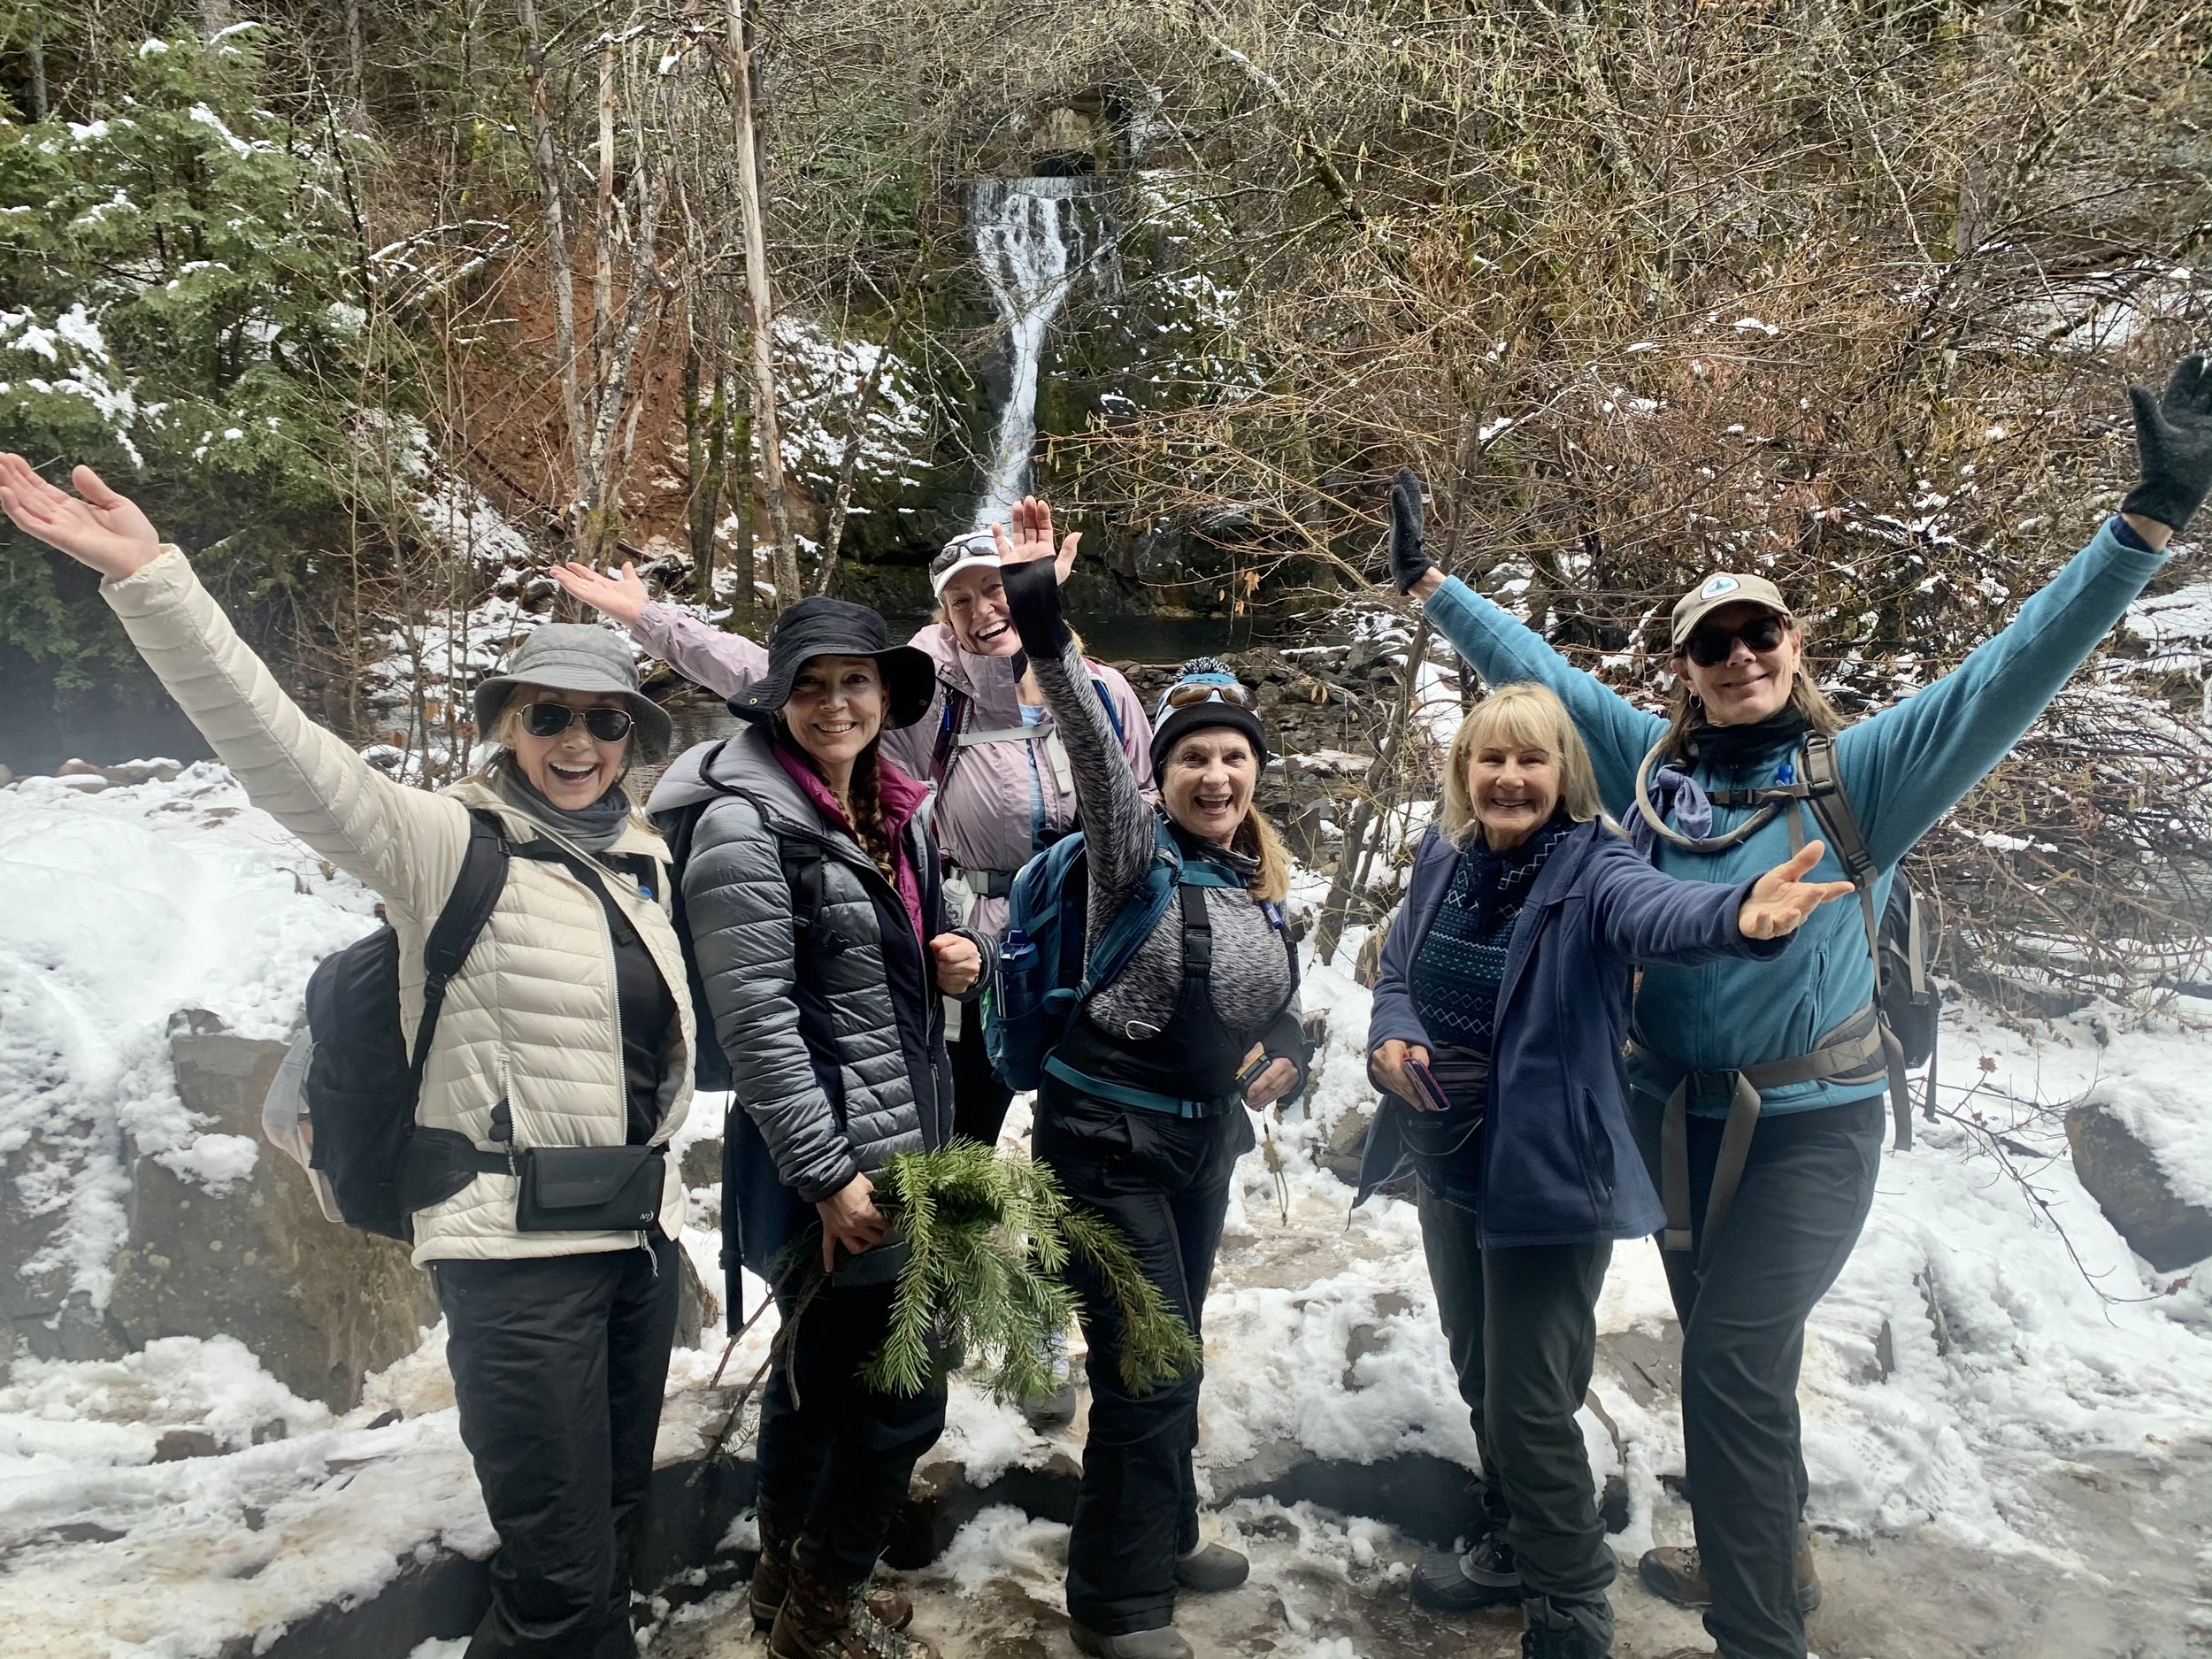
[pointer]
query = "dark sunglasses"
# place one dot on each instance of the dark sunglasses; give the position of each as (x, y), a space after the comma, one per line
(1189, 696)
(1708, 647)
(550, 719)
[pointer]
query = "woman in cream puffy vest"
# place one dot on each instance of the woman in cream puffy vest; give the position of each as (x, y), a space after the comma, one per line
(568, 1026)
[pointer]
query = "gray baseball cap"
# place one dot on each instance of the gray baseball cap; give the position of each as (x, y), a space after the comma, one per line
(1723, 588)
(576, 657)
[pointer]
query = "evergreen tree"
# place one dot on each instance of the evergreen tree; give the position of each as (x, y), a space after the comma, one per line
(183, 311)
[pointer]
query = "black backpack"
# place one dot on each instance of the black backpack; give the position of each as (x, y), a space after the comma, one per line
(362, 1080)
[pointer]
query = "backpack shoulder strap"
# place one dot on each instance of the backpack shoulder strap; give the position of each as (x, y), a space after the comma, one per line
(1139, 914)
(460, 921)
(802, 862)
(1113, 715)
(951, 721)
(1830, 809)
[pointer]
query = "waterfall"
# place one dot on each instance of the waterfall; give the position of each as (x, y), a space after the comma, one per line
(1033, 238)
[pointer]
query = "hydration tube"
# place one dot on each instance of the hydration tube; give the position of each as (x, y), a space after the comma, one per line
(1667, 832)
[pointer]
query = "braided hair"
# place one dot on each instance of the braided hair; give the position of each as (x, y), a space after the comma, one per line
(867, 812)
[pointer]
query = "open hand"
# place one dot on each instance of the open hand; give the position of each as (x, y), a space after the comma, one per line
(1780, 902)
(1031, 538)
(959, 963)
(2173, 437)
(1272, 1084)
(1388, 1067)
(622, 596)
(103, 529)
(849, 1217)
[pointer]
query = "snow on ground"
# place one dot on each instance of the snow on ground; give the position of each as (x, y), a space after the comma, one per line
(1991, 1342)
(123, 907)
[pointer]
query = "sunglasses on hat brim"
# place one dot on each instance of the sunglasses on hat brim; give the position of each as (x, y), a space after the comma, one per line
(1709, 647)
(550, 719)
(1190, 694)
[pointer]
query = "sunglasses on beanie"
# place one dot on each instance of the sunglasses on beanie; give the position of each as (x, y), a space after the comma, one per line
(1709, 647)
(550, 719)
(1191, 693)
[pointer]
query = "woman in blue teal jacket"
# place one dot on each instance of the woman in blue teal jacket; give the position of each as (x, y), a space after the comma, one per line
(1725, 1032)
(1505, 982)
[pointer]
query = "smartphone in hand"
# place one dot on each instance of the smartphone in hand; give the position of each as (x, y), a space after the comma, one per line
(1431, 1092)
(1250, 1075)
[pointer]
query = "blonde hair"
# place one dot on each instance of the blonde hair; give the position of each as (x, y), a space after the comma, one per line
(1527, 714)
(1255, 838)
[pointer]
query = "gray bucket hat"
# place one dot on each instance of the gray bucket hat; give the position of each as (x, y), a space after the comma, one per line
(576, 657)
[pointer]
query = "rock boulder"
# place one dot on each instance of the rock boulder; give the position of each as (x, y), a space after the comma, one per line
(2132, 1187)
(321, 1305)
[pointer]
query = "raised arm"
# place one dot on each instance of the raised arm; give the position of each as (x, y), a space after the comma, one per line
(1504, 651)
(405, 843)
(1117, 822)
(725, 663)
(1907, 766)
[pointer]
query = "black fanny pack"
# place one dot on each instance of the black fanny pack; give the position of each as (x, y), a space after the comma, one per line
(589, 1189)
(560, 1189)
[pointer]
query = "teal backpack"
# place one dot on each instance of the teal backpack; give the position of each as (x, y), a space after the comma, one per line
(1043, 978)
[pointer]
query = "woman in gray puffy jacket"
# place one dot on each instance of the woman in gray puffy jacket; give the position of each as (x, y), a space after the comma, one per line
(1004, 788)
(817, 919)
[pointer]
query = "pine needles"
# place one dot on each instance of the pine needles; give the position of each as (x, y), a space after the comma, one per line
(989, 1244)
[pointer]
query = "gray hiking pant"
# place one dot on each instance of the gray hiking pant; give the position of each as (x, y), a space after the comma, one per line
(1521, 1327)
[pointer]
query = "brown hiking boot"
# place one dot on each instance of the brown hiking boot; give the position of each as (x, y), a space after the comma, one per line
(771, 1582)
(1676, 1573)
(828, 1621)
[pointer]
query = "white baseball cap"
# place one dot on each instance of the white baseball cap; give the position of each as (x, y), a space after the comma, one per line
(974, 551)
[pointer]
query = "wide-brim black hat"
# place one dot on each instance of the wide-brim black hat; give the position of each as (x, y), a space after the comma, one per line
(836, 628)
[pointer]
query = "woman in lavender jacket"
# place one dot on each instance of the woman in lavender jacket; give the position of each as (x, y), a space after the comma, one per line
(1004, 789)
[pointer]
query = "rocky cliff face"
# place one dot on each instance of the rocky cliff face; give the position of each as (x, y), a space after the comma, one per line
(321, 1305)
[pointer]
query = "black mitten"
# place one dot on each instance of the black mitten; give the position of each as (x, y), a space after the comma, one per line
(2173, 435)
(1408, 562)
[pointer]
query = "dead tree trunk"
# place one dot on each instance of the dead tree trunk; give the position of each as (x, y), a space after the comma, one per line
(1375, 807)
(767, 434)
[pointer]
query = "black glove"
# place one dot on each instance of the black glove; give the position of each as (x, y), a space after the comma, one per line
(2173, 434)
(1408, 562)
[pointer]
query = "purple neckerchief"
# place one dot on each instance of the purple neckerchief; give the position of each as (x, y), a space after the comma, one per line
(1675, 795)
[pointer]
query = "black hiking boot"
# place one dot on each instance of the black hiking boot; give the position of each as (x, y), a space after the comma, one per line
(1567, 1630)
(1484, 1576)
(1676, 1573)
(1160, 1642)
(1212, 1567)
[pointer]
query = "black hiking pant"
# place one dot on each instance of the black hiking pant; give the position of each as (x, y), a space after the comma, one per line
(558, 1365)
(836, 1455)
(1806, 1186)
(978, 1099)
(1163, 1182)
(1521, 1327)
